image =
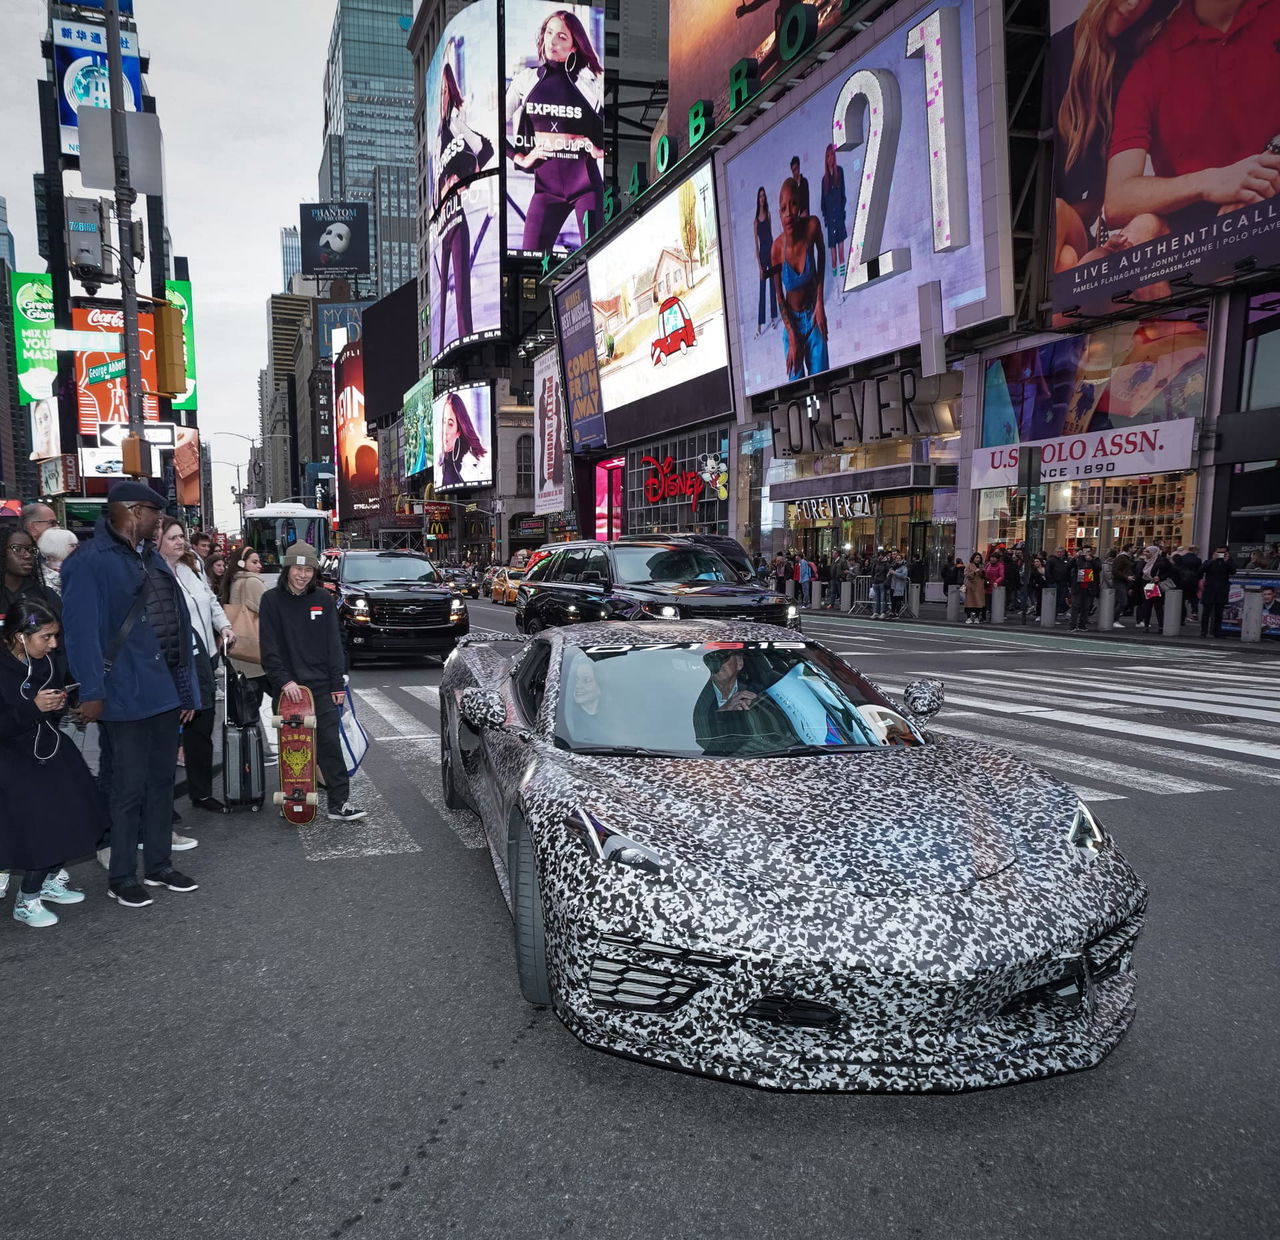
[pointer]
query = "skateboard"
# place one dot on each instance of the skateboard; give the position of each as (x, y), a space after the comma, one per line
(296, 731)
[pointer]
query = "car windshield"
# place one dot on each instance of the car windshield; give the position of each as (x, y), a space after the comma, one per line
(641, 565)
(381, 569)
(721, 699)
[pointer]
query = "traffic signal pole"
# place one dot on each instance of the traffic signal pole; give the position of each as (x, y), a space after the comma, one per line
(137, 458)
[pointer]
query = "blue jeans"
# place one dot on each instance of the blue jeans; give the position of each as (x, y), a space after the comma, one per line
(879, 596)
(806, 592)
(813, 357)
(143, 763)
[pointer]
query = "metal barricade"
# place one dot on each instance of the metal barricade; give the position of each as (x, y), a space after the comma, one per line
(861, 605)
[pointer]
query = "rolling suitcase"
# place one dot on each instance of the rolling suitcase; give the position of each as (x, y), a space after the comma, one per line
(243, 782)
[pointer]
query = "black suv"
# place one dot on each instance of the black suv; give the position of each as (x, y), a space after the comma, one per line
(638, 579)
(393, 602)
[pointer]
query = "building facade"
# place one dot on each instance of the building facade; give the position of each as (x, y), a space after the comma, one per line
(290, 257)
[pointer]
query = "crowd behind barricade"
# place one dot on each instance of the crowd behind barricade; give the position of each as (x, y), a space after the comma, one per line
(120, 637)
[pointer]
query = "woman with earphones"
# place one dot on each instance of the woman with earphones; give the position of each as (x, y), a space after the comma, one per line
(53, 812)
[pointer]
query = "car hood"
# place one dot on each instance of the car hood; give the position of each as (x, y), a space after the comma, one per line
(705, 590)
(387, 591)
(875, 823)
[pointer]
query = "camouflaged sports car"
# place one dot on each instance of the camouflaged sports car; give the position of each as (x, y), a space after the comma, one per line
(727, 851)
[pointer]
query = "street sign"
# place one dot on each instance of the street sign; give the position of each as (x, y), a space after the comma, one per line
(108, 370)
(161, 434)
(471, 508)
(64, 340)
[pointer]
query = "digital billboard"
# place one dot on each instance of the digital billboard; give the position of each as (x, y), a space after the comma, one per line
(178, 293)
(462, 437)
(548, 434)
(461, 102)
(330, 315)
(1166, 154)
(1115, 402)
(873, 212)
(356, 453)
(334, 237)
(417, 426)
(101, 394)
(31, 296)
(466, 274)
(575, 329)
(713, 35)
(555, 134)
(658, 308)
(81, 76)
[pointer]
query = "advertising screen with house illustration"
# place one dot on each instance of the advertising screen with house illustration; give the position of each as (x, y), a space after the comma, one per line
(658, 307)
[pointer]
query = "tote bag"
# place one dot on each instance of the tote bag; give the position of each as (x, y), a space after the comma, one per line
(244, 623)
(355, 740)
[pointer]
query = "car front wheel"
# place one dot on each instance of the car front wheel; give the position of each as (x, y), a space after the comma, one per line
(452, 798)
(526, 912)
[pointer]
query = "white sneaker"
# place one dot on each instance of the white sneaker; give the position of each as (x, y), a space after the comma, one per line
(1117, 625)
(4, 883)
(59, 891)
(28, 909)
(180, 843)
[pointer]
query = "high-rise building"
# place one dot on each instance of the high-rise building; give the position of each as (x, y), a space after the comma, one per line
(8, 252)
(290, 257)
(368, 123)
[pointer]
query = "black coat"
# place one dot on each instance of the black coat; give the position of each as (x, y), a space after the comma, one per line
(53, 812)
(1217, 576)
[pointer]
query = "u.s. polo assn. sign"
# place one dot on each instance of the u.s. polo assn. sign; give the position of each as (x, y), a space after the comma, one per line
(1154, 448)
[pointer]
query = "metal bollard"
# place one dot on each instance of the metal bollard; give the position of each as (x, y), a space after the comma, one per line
(1251, 615)
(790, 587)
(1106, 609)
(1172, 613)
(997, 605)
(1048, 606)
(955, 604)
(846, 595)
(913, 599)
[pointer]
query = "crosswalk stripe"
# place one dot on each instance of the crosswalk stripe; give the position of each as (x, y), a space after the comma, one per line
(1094, 794)
(430, 694)
(1097, 768)
(1128, 727)
(378, 835)
(395, 715)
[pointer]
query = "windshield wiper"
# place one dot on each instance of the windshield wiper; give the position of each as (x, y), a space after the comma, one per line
(809, 750)
(624, 751)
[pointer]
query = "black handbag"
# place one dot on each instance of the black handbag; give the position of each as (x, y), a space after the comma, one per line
(241, 700)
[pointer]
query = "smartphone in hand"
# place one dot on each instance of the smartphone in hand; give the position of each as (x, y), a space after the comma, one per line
(73, 694)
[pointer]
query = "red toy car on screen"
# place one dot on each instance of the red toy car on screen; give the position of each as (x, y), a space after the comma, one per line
(675, 331)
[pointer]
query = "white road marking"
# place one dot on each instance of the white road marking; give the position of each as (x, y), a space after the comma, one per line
(380, 834)
(400, 719)
(1093, 794)
(1090, 767)
(424, 693)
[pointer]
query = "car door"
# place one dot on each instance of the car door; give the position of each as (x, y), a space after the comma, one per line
(593, 584)
(552, 604)
(534, 597)
(568, 586)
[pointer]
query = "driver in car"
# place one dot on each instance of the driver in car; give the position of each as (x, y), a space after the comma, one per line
(718, 718)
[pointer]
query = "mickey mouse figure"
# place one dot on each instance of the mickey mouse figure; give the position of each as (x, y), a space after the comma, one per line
(714, 471)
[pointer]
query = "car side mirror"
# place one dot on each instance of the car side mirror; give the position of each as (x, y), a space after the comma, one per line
(483, 709)
(923, 698)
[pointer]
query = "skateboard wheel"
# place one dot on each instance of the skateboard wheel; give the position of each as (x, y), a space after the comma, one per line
(309, 721)
(276, 721)
(313, 798)
(277, 798)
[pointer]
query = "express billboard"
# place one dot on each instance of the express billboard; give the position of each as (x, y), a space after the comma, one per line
(178, 293)
(334, 238)
(873, 213)
(101, 393)
(1111, 403)
(466, 270)
(31, 296)
(548, 434)
(461, 101)
(355, 451)
(575, 329)
(1166, 147)
(555, 132)
(417, 426)
(82, 78)
(658, 307)
(462, 435)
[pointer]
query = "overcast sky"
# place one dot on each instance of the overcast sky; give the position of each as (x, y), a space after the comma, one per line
(238, 88)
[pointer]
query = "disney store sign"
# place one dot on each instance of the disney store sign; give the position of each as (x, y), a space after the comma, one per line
(709, 479)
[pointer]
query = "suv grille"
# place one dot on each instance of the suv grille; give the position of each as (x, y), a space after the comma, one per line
(428, 612)
(777, 614)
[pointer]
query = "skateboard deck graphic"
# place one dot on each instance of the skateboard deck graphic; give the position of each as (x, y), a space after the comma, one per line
(296, 731)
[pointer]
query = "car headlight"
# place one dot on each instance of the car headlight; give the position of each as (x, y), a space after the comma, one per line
(612, 847)
(662, 611)
(1085, 834)
(792, 611)
(359, 604)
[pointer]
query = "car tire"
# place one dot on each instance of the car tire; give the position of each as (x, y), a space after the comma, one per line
(526, 914)
(684, 347)
(452, 797)
(532, 628)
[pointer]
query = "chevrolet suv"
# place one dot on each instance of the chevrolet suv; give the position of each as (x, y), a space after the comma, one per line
(638, 579)
(393, 602)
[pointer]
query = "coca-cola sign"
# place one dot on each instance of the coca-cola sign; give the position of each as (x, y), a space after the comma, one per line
(100, 399)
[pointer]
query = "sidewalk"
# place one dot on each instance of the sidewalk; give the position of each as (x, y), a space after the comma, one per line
(934, 615)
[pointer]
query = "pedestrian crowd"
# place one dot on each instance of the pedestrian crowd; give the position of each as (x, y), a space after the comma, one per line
(125, 632)
(889, 569)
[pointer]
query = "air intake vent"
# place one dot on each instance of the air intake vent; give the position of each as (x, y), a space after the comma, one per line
(793, 1013)
(623, 984)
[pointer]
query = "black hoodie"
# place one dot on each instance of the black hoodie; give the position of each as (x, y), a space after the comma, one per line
(301, 640)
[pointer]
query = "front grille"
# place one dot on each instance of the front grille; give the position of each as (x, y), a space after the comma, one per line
(624, 984)
(428, 612)
(757, 615)
(792, 1012)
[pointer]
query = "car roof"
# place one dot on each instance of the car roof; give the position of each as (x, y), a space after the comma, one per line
(654, 632)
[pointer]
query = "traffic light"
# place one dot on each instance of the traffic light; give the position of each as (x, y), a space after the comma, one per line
(171, 354)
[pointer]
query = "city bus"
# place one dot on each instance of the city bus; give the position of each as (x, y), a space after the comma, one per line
(272, 530)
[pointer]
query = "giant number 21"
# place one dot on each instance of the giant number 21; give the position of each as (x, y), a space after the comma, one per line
(870, 100)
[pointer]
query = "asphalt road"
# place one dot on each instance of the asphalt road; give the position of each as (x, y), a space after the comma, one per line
(327, 1039)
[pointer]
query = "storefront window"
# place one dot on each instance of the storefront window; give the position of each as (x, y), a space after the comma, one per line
(1261, 382)
(1254, 505)
(680, 484)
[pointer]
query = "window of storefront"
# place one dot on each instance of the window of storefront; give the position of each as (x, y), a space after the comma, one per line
(1260, 385)
(680, 484)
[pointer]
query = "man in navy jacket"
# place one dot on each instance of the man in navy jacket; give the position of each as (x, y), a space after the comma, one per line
(129, 643)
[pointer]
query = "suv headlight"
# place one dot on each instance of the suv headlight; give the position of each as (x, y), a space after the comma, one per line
(661, 611)
(1085, 833)
(612, 847)
(792, 611)
(359, 604)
